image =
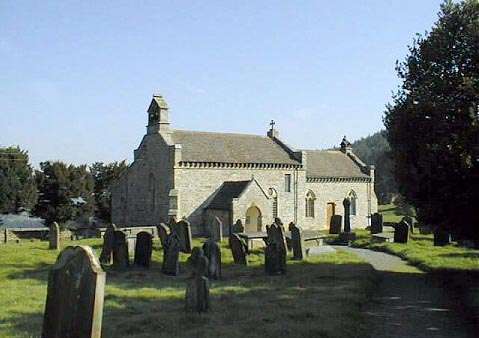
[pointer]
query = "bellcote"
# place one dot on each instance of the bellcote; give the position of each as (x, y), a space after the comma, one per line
(346, 146)
(158, 115)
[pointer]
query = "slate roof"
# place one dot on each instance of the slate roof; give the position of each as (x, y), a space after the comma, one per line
(230, 148)
(227, 192)
(331, 163)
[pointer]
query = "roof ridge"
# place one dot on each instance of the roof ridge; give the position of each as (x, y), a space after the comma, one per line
(223, 133)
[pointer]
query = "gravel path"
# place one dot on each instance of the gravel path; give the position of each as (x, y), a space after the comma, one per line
(408, 305)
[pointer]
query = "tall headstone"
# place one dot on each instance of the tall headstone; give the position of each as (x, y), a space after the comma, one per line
(376, 223)
(441, 237)
(107, 248)
(171, 253)
(120, 250)
(299, 250)
(163, 232)
(238, 249)
(143, 249)
(216, 230)
(347, 218)
(401, 232)
(184, 234)
(336, 221)
(212, 251)
(54, 237)
(197, 297)
(76, 288)
(275, 252)
(237, 227)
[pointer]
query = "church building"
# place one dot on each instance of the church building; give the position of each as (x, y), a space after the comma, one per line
(251, 178)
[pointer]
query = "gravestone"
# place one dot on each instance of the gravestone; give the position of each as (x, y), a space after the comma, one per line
(237, 227)
(76, 288)
(376, 223)
(275, 252)
(410, 222)
(184, 235)
(441, 237)
(401, 232)
(197, 297)
(336, 221)
(238, 249)
(297, 241)
(171, 253)
(120, 250)
(163, 232)
(143, 249)
(216, 230)
(54, 237)
(107, 248)
(212, 251)
(347, 218)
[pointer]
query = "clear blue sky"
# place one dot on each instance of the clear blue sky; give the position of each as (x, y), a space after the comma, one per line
(76, 77)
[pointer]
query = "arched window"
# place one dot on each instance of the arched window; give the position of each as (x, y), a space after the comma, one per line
(353, 200)
(274, 196)
(310, 204)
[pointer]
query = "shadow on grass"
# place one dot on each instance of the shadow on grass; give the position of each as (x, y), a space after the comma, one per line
(461, 255)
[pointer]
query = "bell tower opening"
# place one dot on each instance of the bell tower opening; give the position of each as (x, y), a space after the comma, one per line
(158, 115)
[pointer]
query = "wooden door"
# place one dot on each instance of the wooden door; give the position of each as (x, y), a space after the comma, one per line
(330, 212)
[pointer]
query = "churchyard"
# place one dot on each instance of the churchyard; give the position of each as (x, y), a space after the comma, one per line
(321, 296)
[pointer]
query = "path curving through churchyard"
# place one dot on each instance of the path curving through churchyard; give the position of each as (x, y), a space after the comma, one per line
(408, 303)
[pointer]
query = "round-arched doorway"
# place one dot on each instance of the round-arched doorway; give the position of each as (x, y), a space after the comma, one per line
(253, 219)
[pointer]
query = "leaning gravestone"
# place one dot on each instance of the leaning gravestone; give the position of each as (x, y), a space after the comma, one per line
(120, 250)
(238, 249)
(163, 232)
(336, 221)
(401, 232)
(212, 251)
(107, 248)
(441, 237)
(54, 237)
(171, 253)
(216, 230)
(184, 234)
(275, 252)
(143, 249)
(297, 241)
(76, 288)
(197, 297)
(376, 223)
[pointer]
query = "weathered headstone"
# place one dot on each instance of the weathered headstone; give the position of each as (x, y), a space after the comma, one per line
(143, 249)
(238, 249)
(216, 229)
(441, 237)
(376, 223)
(297, 241)
(54, 237)
(237, 227)
(197, 297)
(184, 234)
(76, 288)
(107, 248)
(336, 221)
(163, 232)
(171, 253)
(212, 251)
(120, 250)
(275, 252)
(401, 232)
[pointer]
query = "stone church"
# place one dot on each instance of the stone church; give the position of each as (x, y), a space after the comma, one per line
(252, 178)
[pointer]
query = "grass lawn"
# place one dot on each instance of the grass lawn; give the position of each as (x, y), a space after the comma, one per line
(320, 297)
(421, 252)
(388, 212)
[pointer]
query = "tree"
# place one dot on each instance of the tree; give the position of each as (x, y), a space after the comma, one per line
(17, 185)
(433, 122)
(104, 175)
(65, 192)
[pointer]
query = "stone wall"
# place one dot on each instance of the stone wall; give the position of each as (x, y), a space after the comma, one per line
(335, 192)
